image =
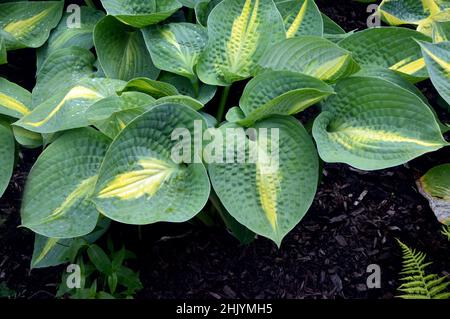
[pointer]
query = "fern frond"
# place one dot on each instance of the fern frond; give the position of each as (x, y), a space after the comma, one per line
(446, 231)
(417, 284)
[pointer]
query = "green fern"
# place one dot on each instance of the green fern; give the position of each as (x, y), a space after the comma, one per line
(446, 231)
(417, 283)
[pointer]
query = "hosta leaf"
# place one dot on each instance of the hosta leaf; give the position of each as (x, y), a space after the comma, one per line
(28, 23)
(112, 114)
(176, 47)
(67, 110)
(199, 91)
(310, 55)
(15, 101)
(55, 205)
(435, 186)
(141, 13)
(3, 56)
(267, 199)
(397, 12)
(441, 31)
(239, 33)
(426, 26)
(7, 149)
(121, 51)
(180, 99)
(301, 17)
(61, 71)
(139, 182)
(153, 88)
(389, 47)
(64, 35)
(280, 92)
(437, 59)
(374, 124)
(27, 138)
(202, 10)
(331, 27)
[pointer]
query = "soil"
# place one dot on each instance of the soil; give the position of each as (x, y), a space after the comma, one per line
(354, 221)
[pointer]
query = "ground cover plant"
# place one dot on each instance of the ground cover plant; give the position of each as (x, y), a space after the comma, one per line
(114, 82)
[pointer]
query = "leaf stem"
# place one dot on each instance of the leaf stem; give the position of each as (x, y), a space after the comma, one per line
(196, 86)
(222, 103)
(90, 3)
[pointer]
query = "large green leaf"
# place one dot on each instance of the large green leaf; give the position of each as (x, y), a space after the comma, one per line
(202, 10)
(57, 206)
(141, 13)
(176, 47)
(112, 114)
(61, 71)
(239, 33)
(435, 186)
(28, 23)
(268, 195)
(374, 124)
(64, 36)
(15, 101)
(156, 89)
(67, 110)
(310, 55)
(121, 51)
(140, 183)
(49, 252)
(27, 138)
(199, 91)
(389, 47)
(280, 92)
(437, 59)
(301, 17)
(330, 27)
(7, 149)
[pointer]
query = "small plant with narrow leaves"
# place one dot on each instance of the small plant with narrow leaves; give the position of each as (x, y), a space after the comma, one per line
(417, 282)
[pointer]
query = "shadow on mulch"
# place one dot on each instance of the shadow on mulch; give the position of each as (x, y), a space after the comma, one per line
(352, 223)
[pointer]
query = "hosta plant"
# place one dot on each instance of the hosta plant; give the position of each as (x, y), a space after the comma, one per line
(147, 80)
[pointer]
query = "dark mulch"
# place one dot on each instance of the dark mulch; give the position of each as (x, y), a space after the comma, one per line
(353, 223)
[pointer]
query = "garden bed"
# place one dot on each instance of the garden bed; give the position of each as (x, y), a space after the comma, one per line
(354, 221)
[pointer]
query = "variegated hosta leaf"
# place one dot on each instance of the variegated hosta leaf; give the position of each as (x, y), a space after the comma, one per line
(176, 47)
(441, 31)
(389, 47)
(28, 23)
(57, 206)
(310, 55)
(437, 59)
(301, 17)
(271, 194)
(7, 149)
(156, 89)
(67, 110)
(15, 101)
(280, 92)
(61, 71)
(330, 27)
(27, 138)
(141, 13)
(68, 34)
(398, 12)
(140, 183)
(112, 114)
(239, 33)
(49, 252)
(180, 99)
(199, 91)
(426, 26)
(435, 186)
(374, 124)
(121, 51)
(202, 10)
